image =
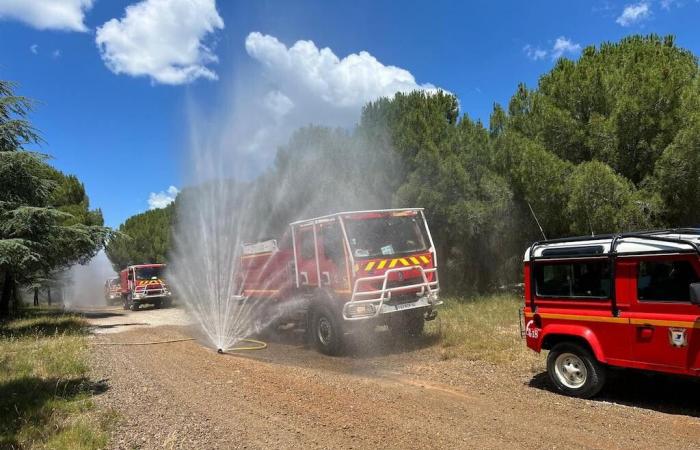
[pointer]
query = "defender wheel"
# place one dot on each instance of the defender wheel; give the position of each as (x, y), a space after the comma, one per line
(326, 331)
(574, 371)
(407, 325)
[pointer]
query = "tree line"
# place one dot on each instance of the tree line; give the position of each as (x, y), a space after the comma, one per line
(46, 224)
(607, 143)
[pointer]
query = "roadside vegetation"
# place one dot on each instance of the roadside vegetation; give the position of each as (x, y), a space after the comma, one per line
(484, 329)
(45, 391)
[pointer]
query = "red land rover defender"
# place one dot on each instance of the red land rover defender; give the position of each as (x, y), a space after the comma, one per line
(627, 300)
(345, 271)
(144, 284)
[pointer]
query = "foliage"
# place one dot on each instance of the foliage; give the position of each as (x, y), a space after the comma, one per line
(606, 143)
(143, 238)
(45, 392)
(45, 221)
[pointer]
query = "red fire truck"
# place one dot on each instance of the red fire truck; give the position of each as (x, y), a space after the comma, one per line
(144, 284)
(626, 300)
(337, 272)
(113, 292)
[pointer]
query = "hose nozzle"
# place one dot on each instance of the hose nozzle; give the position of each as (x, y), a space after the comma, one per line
(220, 351)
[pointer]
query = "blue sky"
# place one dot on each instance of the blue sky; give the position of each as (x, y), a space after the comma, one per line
(119, 115)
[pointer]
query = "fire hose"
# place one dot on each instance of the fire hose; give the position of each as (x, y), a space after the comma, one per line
(257, 345)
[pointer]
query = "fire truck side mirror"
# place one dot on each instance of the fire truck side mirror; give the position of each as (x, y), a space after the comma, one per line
(695, 293)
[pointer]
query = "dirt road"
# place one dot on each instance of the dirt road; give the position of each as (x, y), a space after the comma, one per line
(184, 395)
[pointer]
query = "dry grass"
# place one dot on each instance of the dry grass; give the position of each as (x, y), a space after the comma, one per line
(485, 329)
(45, 393)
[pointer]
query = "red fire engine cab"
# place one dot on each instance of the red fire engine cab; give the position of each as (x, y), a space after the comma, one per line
(113, 291)
(626, 300)
(144, 284)
(335, 272)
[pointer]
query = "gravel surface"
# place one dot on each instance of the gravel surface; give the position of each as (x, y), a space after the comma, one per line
(184, 395)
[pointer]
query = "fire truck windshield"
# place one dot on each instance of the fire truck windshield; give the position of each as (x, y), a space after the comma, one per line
(147, 273)
(385, 236)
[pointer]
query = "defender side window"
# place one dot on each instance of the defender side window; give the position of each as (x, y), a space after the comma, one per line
(665, 281)
(307, 246)
(586, 279)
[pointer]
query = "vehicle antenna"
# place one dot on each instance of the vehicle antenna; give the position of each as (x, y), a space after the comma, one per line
(537, 221)
(590, 225)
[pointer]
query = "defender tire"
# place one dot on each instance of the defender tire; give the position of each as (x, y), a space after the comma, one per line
(574, 370)
(410, 324)
(326, 331)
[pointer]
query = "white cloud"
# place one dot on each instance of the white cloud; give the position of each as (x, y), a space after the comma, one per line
(278, 103)
(290, 88)
(666, 4)
(563, 46)
(34, 48)
(347, 82)
(534, 53)
(634, 13)
(161, 39)
(67, 15)
(162, 199)
(56, 54)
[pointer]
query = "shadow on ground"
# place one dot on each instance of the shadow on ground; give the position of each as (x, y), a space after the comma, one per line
(30, 402)
(45, 325)
(654, 391)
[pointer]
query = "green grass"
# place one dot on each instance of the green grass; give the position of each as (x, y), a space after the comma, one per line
(484, 329)
(45, 392)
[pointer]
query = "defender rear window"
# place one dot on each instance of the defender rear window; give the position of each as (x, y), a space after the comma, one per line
(585, 279)
(665, 281)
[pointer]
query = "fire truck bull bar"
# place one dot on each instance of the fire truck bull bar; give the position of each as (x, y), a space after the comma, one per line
(360, 307)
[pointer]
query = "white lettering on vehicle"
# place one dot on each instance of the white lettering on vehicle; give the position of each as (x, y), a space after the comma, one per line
(532, 331)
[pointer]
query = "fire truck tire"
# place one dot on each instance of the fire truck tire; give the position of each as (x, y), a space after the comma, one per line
(326, 331)
(408, 324)
(574, 370)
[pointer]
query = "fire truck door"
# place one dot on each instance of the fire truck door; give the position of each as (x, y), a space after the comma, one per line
(332, 258)
(306, 257)
(663, 319)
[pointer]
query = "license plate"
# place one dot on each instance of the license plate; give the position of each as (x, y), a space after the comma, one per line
(406, 306)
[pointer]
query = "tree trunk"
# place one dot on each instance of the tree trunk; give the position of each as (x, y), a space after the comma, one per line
(15, 298)
(48, 292)
(36, 296)
(6, 295)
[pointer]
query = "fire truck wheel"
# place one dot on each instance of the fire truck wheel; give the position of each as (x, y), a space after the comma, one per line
(409, 324)
(326, 331)
(574, 370)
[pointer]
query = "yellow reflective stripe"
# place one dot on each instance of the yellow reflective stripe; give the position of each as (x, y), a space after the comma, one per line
(393, 263)
(414, 260)
(382, 263)
(369, 266)
(425, 259)
(404, 262)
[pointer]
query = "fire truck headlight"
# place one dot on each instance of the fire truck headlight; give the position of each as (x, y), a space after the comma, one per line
(362, 310)
(138, 294)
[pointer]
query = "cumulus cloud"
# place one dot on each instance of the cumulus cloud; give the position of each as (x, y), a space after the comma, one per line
(562, 46)
(634, 13)
(162, 39)
(534, 53)
(157, 200)
(66, 15)
(346, 82)
(287, 87)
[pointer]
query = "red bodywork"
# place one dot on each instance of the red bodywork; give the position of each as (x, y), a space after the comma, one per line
(143, 289)
(290, 268)
(662, 336)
